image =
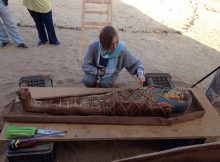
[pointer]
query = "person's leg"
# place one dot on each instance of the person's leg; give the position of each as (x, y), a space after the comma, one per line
(39, 25)
(48, 21)
(90, 80)
(213, 92)
(4, 39)
(216, 101)
(108, 82)
(10, 26)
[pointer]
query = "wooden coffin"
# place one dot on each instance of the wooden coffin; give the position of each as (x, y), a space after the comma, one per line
(209, 152)
(15, 113)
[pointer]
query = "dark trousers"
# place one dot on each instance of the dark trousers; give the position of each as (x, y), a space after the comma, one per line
(42, 21)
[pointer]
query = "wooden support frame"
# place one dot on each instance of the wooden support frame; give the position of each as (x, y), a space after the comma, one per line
(15, 113)
(85, 25)
(202, 153)
(205, 127)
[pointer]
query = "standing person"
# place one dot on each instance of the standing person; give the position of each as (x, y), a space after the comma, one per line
(106, 58)
(10, 26)
(213, 92)
(41, 12)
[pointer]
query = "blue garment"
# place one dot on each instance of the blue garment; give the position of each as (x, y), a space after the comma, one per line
(112, 54)
(2, 4)
(42, 21)
(90, 80)
(112, 57)
(103, 61)
(178, 106)
(213, 92)
(12, 30)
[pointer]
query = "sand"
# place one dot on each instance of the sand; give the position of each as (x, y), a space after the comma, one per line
(180, 37)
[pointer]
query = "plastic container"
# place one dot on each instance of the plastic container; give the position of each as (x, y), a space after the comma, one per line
(36, 81)
(160, 79)
(43, 152)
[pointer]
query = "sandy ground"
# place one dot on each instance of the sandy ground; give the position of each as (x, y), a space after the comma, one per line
(152, 33)
(180, 37)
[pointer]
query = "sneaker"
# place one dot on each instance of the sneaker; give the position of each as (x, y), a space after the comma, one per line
(40, 43)
(4, 44)
(57, 43)
(22, 45)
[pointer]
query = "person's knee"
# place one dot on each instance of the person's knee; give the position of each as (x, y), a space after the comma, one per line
(108, 82)
(89, 81)
(104, 84)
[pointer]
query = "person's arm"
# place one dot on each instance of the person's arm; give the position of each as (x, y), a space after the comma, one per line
(133, 65)
(89, 62)
(140, 75)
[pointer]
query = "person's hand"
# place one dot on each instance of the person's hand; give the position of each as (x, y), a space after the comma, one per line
(141, 79)
(101, 72)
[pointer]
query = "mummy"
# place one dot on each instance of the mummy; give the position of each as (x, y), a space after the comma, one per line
(130, 102)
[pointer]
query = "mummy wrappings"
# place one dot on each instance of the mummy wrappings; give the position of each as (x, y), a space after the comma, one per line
(130, 102)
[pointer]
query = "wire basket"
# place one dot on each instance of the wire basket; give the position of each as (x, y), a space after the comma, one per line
(36, 81)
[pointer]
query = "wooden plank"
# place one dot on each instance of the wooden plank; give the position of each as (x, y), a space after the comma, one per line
(202, 153)
(82, 40)
(85, 24)
(96, 12)
(55, 92)
(98, 1)
(119, 120)
(97, 24)
(17, 114)
(110, 13)
(92, 27)
(207, 126)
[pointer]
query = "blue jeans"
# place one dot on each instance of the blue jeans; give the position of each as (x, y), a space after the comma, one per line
(42, 21)
(90, 80)
(10, 26)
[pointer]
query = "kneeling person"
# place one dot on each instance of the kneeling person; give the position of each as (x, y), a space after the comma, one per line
(106, 58)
